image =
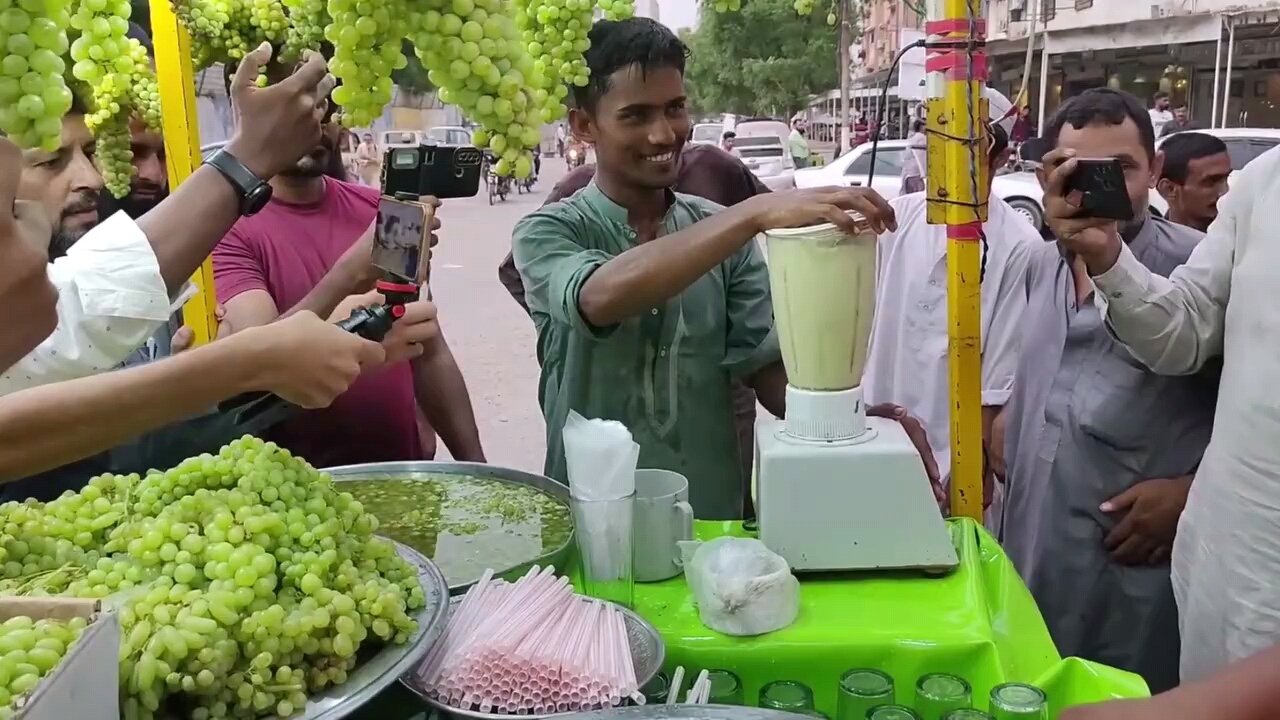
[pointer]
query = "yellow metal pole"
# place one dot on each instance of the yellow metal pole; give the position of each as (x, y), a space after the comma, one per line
(958, 183)
(176, 77)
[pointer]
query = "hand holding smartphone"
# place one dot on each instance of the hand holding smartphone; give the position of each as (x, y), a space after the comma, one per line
(1101, 187)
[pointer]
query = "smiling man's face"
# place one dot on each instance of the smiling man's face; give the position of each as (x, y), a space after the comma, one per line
(638, 126)
(65, 183)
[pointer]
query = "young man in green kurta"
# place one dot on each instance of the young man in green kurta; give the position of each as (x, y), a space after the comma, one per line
(647, 302)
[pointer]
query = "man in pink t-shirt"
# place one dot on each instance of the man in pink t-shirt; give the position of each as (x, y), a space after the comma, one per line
(301, 251)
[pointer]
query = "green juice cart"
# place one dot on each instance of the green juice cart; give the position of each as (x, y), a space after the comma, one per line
(978, 622)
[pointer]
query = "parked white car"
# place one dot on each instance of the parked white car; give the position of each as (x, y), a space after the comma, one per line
(449, 135)
(853, 168)
(767, 157)
(706, 134)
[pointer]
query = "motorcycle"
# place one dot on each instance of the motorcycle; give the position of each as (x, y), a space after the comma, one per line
(499, 185)
(577, 157)
(526, 184)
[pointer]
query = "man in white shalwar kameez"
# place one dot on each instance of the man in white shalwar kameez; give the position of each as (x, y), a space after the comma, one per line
(1223, 301)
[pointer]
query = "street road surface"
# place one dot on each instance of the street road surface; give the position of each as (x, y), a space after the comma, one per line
(491, 337)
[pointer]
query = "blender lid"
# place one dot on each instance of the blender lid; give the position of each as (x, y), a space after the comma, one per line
(824, 231)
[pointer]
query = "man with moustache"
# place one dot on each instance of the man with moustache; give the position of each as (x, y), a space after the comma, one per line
(1101, 452)
(309, 249)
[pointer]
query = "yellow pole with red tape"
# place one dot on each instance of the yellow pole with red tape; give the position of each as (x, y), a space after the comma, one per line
(958, 182)
(176, 77)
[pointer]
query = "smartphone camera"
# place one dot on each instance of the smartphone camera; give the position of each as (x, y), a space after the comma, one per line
(445, 171)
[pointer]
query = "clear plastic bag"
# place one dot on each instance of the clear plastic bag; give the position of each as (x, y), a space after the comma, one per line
(741, 587)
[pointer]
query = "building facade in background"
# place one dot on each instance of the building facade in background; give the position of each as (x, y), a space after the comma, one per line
(1187, 48)
(649, 9)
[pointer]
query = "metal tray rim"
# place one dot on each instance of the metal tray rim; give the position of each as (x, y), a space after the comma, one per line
(407, 469)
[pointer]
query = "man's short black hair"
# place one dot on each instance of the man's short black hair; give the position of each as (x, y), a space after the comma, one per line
(1102, 106)
(729, 135)
(1160, 95)
(1181, 148)
(619, 44)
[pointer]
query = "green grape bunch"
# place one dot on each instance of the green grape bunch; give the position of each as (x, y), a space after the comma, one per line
(366, 37)
(473, 53)
(245, 581)
(113, 154)
(30, 650)
(33, 91)
(724, 6)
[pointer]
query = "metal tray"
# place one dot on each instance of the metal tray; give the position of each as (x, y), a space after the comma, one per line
(419, 470)
(375, 674)
(648, 652)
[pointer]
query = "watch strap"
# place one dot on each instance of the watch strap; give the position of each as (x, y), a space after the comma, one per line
(240, 177)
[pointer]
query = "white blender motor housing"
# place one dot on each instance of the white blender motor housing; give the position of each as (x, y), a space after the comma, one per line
(837, 490)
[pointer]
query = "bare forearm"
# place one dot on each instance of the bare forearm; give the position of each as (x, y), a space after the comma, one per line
(323, 299)
(442, 394)
(1246, 690)
(656, 271)
(184, 229)
(52, 425)
(770, 384)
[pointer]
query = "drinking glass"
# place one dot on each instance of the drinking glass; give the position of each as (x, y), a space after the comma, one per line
(1018, 701)
(939, 693)
(892, 712)
(862, 689)
(966, 714)
(787, 696)
(603, 531)
(726, 688)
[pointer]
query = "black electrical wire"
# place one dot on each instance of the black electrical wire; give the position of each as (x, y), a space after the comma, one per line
(884, 101)
(875, 140)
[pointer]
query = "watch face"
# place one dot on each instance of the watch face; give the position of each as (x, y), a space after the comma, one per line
(256, 199)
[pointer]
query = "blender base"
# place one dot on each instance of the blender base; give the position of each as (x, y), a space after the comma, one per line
(853, 505)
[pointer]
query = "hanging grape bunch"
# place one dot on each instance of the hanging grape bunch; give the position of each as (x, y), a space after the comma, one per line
(33, 93)
(366, 37)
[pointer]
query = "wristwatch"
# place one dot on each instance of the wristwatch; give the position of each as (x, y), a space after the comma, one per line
(254, 192)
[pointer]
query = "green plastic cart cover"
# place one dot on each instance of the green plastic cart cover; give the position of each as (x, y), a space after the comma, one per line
(978, 622)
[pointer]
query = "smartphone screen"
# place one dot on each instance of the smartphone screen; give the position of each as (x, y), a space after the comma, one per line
(400, 243)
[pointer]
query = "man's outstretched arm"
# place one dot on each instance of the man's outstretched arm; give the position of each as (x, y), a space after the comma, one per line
(303, 359)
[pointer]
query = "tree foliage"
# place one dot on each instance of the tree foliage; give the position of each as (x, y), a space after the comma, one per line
(762, 60)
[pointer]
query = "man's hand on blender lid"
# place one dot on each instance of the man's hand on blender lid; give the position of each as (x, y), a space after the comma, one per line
(279, 123)
(306, 360)
(815, 206)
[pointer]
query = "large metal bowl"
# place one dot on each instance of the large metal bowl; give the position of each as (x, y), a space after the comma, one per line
(421, 470)
(647, 655)
(373, 675)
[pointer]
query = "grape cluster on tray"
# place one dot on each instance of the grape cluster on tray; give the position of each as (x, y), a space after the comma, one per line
(244, 580)
(29, 650)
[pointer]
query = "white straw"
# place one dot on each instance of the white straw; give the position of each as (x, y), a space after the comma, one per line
(531, 646)
(677, 679)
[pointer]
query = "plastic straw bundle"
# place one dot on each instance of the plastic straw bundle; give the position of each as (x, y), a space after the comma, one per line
(532, 646)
